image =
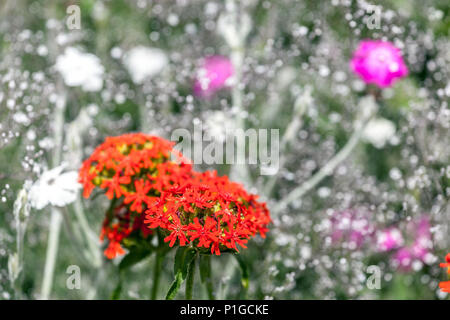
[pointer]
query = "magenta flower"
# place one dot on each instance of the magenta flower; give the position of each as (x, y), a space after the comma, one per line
(378, 62)
(351, 228)
(422, 244)
(213, 76)
(389, 239)
(403, 259)
(420, 247)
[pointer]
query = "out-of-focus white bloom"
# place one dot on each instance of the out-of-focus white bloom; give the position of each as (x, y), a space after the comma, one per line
(80, 69)
(218, 125)
(55, 188)
(379, 131)
(46, 143)
(99, 11)
(234, 26)
(285, 77)
(14, 267)
(143, 62)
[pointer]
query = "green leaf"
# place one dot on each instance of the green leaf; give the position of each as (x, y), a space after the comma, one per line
(183, 258)
(133, 257)
(190, 256)
(179, 259)
(174, 287)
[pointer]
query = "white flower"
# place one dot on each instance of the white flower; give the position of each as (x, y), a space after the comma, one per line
(80, 69)
(143, 62)
(379, 131)
(55, 188)
(219, 125)
(233, 24)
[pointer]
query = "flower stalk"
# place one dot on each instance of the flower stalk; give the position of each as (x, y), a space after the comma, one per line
(56, 218)
(301, 104)
(157, 274)
(331, 165)
(52, 250)
(190, 279)
(234, 28)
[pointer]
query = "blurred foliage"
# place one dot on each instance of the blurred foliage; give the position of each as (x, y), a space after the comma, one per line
(328, 43)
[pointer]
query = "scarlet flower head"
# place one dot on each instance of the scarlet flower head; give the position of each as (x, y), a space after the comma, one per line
(116, 164)
(133, 169)
(209, 212)
(445, 285)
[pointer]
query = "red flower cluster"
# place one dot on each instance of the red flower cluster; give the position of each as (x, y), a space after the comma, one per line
(134, 168)
(445, 285)
(129, 165)
(201, 209)
(210, 212)
(118, 227)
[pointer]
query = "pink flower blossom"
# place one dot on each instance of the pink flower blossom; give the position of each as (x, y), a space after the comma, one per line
(213, 76)
(378, 62)
(420, 247)
(422, 244)
(351, 227)
(389, 239)
(403, 259)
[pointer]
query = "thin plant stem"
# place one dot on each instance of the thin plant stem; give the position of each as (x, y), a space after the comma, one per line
(190, 279)
(16, 261)
(209, 280)
(88, 234)
(143, 113)
(210, 290)
(229, 273)
(325, 171)
(300, 106)
(52, 249)
(56, 218)
(238, 171)
(157, 274)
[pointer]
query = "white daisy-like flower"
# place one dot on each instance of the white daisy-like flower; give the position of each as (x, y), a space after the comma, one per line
(379, 131)
(54, 187)
(143, 62)
(80, 69)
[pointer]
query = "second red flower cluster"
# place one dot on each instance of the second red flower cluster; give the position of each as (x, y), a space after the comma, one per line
(151, 186)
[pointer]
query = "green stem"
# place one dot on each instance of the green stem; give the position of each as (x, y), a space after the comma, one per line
(56, 218)
(228, 273)
(301, 104)
(190, 279)
(52, 249)
(328, 169)
(244, 276)
(115, 295)
(239, 171)
(91, 240)
(157, 273)
(205, 275)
